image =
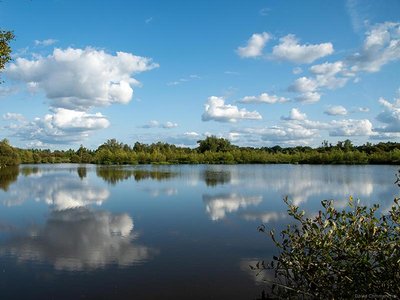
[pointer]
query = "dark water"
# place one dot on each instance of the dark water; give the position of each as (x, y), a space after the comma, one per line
(157, 232)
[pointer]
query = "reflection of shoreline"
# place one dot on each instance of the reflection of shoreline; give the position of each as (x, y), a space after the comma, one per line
(80, 239)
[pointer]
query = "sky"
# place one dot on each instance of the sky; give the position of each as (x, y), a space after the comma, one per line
(259, 73)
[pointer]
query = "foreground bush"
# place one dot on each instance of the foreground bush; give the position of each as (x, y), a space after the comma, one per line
(337, 254)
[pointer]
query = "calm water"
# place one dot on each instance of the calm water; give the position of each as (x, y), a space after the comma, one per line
(157, 232)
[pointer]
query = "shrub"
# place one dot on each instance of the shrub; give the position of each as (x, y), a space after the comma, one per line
(337, 254)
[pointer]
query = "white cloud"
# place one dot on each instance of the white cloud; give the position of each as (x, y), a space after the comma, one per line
(390, 116)
(296, 129)
(71, 120)
(336, 111)
(45, 43)
(264, 98)
(381, 45)
(168, 125)
(218, 206)
(255, 45)
(290, 132)
(289, 49)
(82, 78)
(13, 116)
(304, 85)
(327, 68)
(309, 97)
(351, 127)
(157, 124)
(217, 110)
(295, 115)
(61, 126)
(325, 76)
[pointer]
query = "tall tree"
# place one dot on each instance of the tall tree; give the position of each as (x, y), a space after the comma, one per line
(5, 50)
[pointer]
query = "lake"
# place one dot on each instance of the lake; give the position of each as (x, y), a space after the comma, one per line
(158, 232)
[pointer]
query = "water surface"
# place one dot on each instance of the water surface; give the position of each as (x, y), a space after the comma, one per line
(158, 232)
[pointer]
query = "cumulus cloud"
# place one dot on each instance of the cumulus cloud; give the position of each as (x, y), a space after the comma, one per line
(218, 206)
(309, 97)
(217, 110)
(255, 45)
(61, 126)
(381, 46)
(351, 127)
(81, 239)
(390, 116)
(304, 85)
(289, 49)
(264, 98)
(80, 79)
(326, 75)
(295, 114)
(336, 111)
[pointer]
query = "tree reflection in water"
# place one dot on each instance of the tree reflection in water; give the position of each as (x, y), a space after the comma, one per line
(8, 175)
(215, 177)
(113, 175)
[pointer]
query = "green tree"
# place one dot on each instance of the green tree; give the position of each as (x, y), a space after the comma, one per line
(214, 144)
(5, 50)
(8, 155)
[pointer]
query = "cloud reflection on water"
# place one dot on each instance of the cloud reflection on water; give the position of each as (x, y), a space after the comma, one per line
(61, 191)
(80, 239)
(219, 205)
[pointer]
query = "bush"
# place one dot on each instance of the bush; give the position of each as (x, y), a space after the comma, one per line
(337, 254)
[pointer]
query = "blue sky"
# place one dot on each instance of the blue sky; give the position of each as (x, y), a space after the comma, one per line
(259, 73)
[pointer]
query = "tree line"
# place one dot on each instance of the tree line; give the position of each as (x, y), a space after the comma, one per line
(211, 150)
